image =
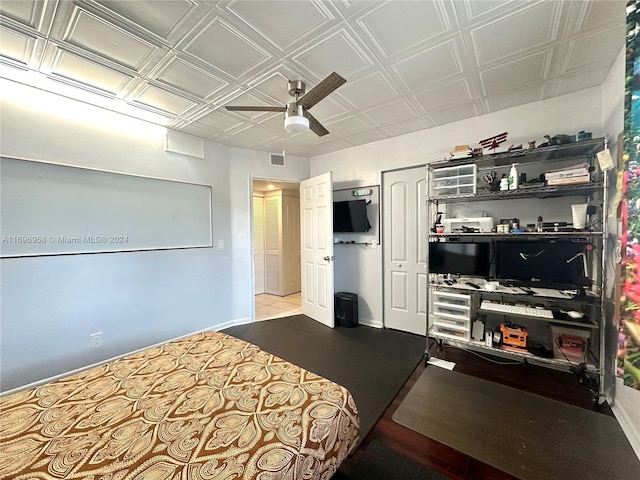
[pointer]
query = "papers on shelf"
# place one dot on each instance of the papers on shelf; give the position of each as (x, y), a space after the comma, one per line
(549, 292)
(569, 175)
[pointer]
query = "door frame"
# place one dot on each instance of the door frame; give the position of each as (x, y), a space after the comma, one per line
(267, 178)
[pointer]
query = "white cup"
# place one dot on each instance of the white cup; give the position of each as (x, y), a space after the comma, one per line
(579, 214)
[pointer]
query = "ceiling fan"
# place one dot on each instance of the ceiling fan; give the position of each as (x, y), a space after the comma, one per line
(296, 113)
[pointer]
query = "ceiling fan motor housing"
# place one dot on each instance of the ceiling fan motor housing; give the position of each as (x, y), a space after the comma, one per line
(296, 88)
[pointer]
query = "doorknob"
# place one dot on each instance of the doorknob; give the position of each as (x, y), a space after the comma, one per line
(330, 258)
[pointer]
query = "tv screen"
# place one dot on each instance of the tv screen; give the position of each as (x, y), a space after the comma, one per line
(540, 261)
(350, 216)
(459, 258)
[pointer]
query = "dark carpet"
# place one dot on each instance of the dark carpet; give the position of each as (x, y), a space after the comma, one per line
(529, 436)
(379, 462)
(372, 363)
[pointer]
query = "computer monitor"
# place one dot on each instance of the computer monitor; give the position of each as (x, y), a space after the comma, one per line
(556, 263)
(350, 216)
(460, 258)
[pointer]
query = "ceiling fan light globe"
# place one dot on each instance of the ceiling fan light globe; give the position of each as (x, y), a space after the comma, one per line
(296, 124)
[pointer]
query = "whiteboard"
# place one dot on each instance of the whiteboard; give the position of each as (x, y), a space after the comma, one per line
(53, 209)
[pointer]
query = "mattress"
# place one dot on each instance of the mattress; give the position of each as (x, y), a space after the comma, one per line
(208, 406)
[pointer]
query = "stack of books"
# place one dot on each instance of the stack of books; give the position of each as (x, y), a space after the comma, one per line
(568, 176)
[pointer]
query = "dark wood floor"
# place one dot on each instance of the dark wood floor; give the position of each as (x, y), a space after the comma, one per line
(546, 382)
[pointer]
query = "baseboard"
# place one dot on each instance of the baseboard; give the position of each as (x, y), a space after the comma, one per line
(370, 323)
(628, 426)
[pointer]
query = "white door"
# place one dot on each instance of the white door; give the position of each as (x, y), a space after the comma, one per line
(404, 248)
(258, 243)
(316, 227)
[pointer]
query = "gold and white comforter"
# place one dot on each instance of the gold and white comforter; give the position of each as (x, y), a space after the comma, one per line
(208, 406)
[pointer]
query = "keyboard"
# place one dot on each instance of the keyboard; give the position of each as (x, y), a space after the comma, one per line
(516, 309)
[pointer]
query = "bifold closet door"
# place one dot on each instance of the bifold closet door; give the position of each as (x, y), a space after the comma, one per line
(258, 244)
(404, 250)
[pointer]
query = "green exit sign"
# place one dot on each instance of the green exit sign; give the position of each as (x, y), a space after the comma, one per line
(361, 192)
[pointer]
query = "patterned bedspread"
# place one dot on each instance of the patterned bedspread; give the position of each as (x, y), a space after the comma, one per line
(208, 406)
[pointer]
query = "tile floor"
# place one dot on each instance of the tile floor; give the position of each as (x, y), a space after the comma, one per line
(273, 306)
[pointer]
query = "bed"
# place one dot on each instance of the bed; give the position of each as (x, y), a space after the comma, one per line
(207, 406)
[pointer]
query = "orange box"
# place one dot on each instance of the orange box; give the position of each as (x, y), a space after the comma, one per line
(514, 336)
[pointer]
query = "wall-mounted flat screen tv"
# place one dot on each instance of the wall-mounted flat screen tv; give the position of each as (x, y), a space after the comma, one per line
(460, 258)
(554, 263)
(350, 216)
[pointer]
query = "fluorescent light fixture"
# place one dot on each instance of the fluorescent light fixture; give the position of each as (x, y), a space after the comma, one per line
(296, 124)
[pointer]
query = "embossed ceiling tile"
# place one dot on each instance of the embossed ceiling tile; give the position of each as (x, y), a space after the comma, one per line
(338, 52)
(528, 28)
(332, 146)
(515, 98)
(248, 99)
(224, 48)
(275, 87)
(274, 122)
(68, 65)
(594, 14)
(199, 131)
(348, 126)
(456, 113)
(97, 35)
(429, 66)
(352, 8)
(410, 126)
(516, 74)
(367, 137)
(184, 76)
(328, 108)
(593, 49)
(449, 93)
(288, 144)
(477, 12)
(254, 135)
(399, 25)
(282, 22)
(578, 81)
(22, 48)
(390, 113)
(219, 120)
(162, 100)
(367, 91)
(32, 14)
(151, 15)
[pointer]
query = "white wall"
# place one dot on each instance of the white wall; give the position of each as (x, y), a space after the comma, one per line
(358, 270)
(51, 305)
(626, 401)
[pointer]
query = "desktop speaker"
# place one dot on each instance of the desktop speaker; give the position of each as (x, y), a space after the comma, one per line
(346, 309)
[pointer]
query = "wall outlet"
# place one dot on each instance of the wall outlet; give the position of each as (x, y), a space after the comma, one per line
(220, 244)
(96, 339)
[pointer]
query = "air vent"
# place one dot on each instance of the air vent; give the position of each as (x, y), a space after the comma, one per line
(277, 160)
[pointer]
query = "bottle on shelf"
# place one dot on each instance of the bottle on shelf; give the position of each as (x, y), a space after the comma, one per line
(504, 182)
(513, 177)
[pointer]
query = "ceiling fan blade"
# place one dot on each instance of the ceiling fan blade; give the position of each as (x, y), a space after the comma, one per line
(234, 108)
(324, 88)
(315, 126)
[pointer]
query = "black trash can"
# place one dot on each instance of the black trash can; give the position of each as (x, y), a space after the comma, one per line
(346, 309)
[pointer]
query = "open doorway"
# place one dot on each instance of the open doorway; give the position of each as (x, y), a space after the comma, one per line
(276, 248)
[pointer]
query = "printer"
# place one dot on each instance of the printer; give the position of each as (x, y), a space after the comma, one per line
(475, 224)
